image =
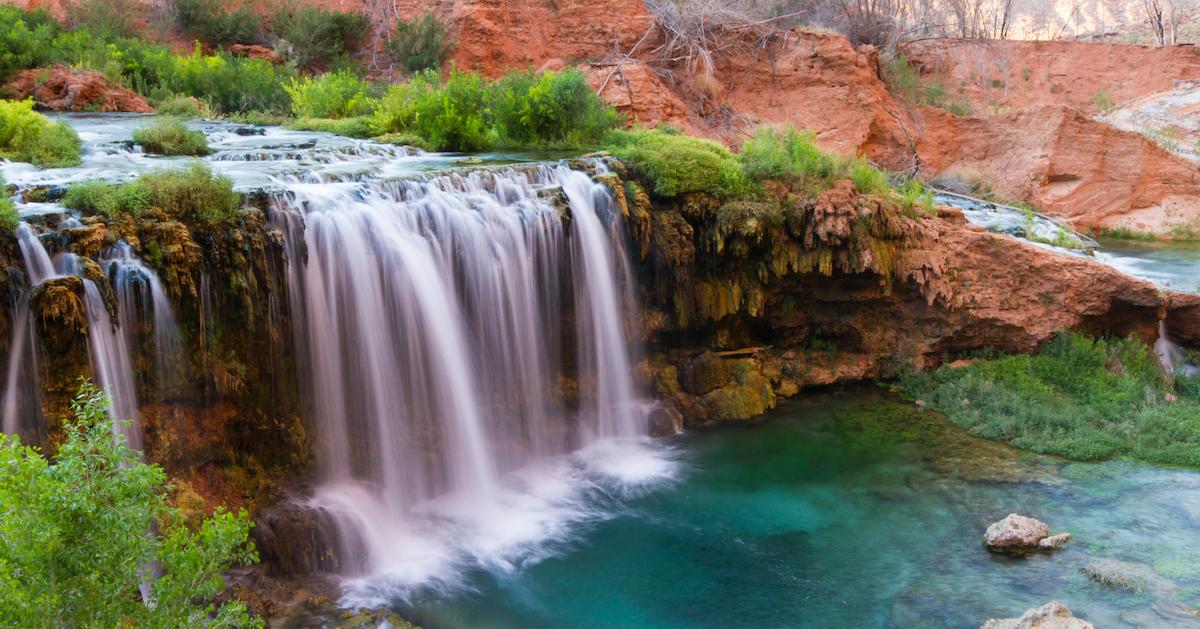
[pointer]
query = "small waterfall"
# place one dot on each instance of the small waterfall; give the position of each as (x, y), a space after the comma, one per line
(112, 365)
(21, 406)
(1171, 356)
(142, 298)
(429, 318)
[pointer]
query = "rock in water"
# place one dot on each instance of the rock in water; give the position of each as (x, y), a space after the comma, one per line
(1015, 533)
(1052, 615)
(1054, 542)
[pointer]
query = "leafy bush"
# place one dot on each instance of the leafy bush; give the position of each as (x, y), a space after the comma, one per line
(27, 136)
(9, 219)
(226, 82)
(24, 39)
(1103, 101)
(549, 109)
(79, 530)
(868, 179)
(522, 109)
(678, 164)
(340, 94)
(419, 45)
(902, 78)
(169, 136)
(192, 195)
(106, 18)
(792, 156)
(214, 23)
(183, 106)
(358, 127)
(318, 39)
(1080, 398)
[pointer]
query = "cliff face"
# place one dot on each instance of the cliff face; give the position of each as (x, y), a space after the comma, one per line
(744, 304)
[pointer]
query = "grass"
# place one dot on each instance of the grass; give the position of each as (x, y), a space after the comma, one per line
(192, 195)
(9, 219)
(27, 136)
(903, 79)
(182, 106)
(678, 164)
(169, 136)
(1103, 101)
(1080, 398)
(359, 127)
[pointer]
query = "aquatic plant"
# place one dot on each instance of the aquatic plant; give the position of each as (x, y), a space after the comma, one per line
(168, 136)
(1081, 398)
(79, 529)
(27, 136)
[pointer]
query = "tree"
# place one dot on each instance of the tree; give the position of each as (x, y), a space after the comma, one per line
(89, 540)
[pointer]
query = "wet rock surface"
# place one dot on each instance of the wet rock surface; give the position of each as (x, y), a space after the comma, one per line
(1015, 533)
(1053, 615)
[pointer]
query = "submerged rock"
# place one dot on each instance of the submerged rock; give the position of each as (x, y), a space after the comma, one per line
(1052, 615)
(1054, 542)
(1116, 574)
(1015, 533)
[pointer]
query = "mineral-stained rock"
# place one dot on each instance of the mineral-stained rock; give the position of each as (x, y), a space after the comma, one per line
(1052, 615)
(296, 540)
(1054, 542)
(1015, 533)
(65, 89)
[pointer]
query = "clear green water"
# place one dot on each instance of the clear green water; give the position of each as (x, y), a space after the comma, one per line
(850, 510)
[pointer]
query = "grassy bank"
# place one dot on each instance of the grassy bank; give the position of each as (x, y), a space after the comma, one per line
(1080, 398)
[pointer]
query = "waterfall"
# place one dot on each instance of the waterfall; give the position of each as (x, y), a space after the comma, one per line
(429, 317)
(141, 298)
(1171, 356)
(21, 407)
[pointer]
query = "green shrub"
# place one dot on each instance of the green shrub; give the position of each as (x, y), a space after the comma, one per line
(914, 196)
(9, 218)
(340, 94)
(318, 39)
(678, 164)
(418, 45)
(449, 116)
(1080, 398)
(169, 136)
(78, 535)
(192, 195)
(904, 80)
(182, 106)
(229, 83)
(214, 23)
(260, 118)
(868, 179)
(1103, 101)
(25, 38)
(27, 136)
(549, 109)
(106, 18)
(359, 127)
(403, 139)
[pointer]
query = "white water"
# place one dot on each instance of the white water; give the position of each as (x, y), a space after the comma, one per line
(429, 316)
(142, 299)
(21, 407)
(1171, 356)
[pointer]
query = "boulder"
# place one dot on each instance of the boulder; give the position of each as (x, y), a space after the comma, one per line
(66, 89)
(1052, 615)
(1015, 533)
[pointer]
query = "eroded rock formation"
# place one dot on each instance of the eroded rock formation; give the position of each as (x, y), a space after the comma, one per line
(66, 89)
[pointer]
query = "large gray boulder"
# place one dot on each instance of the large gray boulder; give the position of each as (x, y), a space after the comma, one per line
(1052, 615)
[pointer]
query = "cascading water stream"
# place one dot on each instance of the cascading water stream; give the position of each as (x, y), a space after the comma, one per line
(21, 375)
(141, 297)
(429, 321)
(1171, 356)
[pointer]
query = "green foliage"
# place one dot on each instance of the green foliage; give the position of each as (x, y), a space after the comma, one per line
(77, 532)
(182, 106)
(1080, 398)
(403, 139)
(227, 82)
(24, 36)
(212, 22)
(260, 118)
(169, 136)
(9, 219)
(450, 115)
(106, 18)
(914, 196)
(359, 127)
(27, 136)
(903, 79)
(340, 94)
(1125, 233)
(1103, 101)
(419, 45)
(678, 164)
(868, 179)
(192, 195)
(549, 109)
(318, 39)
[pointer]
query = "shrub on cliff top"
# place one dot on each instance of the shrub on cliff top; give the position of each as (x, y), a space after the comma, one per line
(168, 136)
(79, 530)
(1080, 398)
(215, 22)
(27, 136)
(192, 195)
(678, 164)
